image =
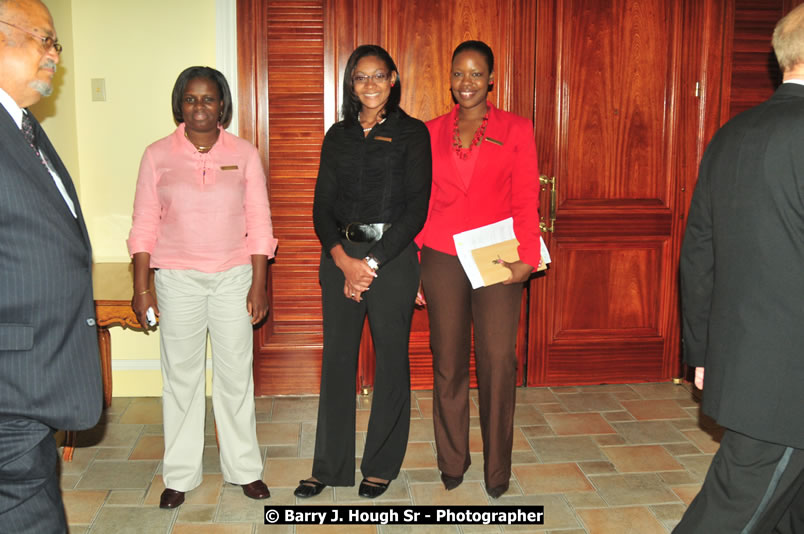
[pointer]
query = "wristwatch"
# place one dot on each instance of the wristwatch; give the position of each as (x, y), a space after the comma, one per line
(372, 262)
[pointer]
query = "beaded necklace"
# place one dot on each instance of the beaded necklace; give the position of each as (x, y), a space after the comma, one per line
(480, 133)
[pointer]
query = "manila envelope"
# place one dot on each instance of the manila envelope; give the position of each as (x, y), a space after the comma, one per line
(494, 273)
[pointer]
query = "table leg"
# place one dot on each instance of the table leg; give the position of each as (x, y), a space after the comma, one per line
(105, 347)
(69, 445)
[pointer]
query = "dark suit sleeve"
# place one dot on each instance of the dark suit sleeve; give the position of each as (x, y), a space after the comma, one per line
(697, 269)
(49, 363)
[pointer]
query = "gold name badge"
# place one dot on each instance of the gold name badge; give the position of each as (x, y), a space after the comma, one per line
(228, 167)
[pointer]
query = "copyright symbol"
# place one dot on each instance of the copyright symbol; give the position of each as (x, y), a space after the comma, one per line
(271, 516)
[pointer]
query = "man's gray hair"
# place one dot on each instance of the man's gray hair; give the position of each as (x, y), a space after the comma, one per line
(788, 39)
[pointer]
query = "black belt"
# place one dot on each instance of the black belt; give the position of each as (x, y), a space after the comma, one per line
(363, 233)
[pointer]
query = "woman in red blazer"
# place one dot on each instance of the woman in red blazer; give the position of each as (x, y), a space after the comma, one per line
(484, 171)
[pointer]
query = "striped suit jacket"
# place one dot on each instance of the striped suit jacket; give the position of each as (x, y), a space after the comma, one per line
(49, 364)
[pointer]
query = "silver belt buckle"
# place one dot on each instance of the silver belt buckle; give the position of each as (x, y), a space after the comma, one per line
(346, 231)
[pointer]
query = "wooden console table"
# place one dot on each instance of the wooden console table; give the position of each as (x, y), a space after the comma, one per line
(113, 286)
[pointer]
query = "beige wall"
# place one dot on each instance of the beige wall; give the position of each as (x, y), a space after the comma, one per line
(139, 48)
(57, 113)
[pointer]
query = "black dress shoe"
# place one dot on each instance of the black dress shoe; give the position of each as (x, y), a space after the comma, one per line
(309, 488)
(171, 498)
(497, 491)
(450, 483)
(371, 489)
(256, 490)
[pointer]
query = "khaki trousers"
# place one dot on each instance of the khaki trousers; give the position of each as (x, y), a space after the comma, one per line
(192, 303)
(453, 306)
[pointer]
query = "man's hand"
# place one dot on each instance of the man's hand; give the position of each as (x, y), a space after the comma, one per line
(699, 375)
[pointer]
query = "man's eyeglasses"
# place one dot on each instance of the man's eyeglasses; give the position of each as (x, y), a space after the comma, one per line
(379, 77)
(46, 42)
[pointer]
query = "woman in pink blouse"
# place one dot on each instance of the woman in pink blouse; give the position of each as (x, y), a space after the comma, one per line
(202, 221)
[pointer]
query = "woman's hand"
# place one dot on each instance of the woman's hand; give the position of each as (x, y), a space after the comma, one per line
(257, 298)
(257, 303)
(351, 293)
(144, 297)
(356, 272)
(420, 301)
(520, 271)
(140, 303)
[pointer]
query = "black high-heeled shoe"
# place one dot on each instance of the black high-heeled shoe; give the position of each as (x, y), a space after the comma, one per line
(309, 488)
(450, 483)
(497, 491)
(371, 489)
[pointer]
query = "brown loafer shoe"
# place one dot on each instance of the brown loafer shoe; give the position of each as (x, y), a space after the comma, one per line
(171, 498)
(256, 490)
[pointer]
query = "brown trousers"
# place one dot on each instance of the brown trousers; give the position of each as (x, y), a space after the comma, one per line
(453, 306)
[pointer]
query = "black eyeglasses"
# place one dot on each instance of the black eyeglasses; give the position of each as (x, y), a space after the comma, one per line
(46, 42)
(379, 77)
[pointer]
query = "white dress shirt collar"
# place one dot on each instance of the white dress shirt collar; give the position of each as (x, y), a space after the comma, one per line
(13, 109)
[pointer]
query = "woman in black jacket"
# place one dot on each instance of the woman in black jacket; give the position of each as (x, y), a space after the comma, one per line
(371, 200)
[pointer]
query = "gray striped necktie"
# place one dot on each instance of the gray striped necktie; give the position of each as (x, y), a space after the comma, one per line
(30, 136)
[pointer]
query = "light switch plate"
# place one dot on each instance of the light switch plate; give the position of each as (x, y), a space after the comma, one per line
(98, 89)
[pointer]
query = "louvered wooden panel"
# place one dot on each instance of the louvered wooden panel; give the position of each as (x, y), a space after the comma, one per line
(420, 35)
(288, 58)
(754, 71)
(291, 57)
(421, 41)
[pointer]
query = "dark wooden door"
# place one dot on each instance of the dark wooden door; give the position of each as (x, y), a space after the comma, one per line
(611, 94)
(421, 36)
(291, 58)
(611, 87)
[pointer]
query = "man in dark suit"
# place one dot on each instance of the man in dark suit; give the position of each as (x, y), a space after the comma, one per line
(49, 367)
(742, 288)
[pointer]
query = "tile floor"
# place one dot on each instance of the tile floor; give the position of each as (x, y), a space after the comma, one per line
(600, 459)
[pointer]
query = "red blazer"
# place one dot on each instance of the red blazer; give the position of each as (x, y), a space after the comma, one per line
(505, 183)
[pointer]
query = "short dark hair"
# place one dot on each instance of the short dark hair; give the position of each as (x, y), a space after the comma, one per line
(351, 103)
(202, 72)
(479, 47)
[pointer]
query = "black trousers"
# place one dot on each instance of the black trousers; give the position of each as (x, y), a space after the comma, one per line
(30, 496)
(752, 487)
(389, 304)
(453, 307)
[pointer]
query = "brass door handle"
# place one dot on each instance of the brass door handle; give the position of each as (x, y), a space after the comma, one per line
(551, 181)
